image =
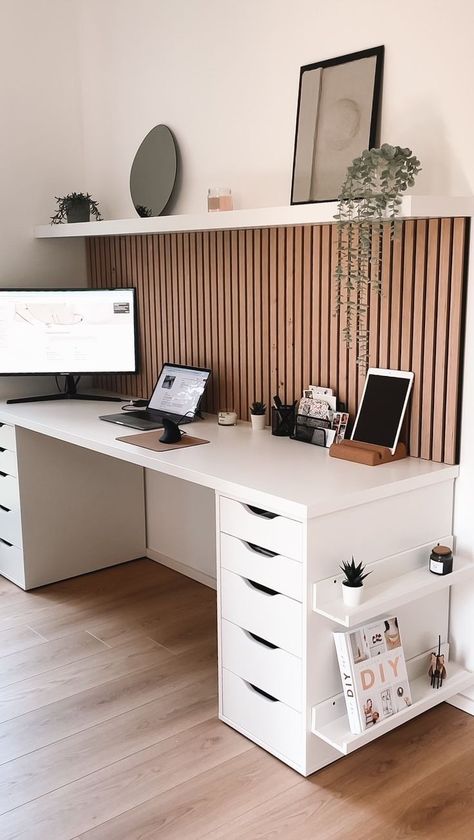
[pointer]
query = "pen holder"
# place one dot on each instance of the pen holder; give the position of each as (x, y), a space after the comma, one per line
(283, 420)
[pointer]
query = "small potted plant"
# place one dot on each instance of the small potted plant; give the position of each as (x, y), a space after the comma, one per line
(76, 207)
(257, 415)
(352, 585)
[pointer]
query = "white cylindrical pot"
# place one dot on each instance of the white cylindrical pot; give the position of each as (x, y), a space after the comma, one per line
(352, 595)
(258, 422)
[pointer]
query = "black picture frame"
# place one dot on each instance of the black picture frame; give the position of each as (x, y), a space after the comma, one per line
(374, 52)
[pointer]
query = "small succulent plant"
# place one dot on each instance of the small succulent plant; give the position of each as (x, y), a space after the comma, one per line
(258, 408)
(354, 574)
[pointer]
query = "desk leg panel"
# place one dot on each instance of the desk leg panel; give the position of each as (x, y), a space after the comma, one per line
(80, 510)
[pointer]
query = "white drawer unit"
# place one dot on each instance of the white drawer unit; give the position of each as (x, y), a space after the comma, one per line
(9, 492)
(262, 565)
(270, 615)
(8, 462)
(7, 437)
(259, 662)
(262, 528)
(11, 563)
(269, 721)
(10, 527)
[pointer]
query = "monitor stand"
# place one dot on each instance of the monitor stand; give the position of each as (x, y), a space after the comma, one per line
(69, 394)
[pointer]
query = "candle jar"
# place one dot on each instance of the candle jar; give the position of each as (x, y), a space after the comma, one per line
(218, 199)
(441, 560)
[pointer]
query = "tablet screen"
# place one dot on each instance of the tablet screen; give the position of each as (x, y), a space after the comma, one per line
(381, 410)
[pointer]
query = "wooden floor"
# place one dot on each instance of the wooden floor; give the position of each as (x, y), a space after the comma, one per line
(108, 731)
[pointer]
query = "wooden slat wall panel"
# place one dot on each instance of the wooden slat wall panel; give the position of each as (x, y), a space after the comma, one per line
(257, 307)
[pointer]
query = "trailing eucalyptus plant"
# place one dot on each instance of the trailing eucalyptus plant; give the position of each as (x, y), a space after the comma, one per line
(368, 205)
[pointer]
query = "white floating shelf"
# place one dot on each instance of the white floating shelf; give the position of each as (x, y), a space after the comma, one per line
(337, 733)
(392, 593)
(413, 206)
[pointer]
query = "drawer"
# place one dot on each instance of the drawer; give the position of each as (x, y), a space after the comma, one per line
(7, 437)
(263, 528)
(270, 721)
(10, 527)
(8, 462)
(11, 563)
(9, 492)
(261, 565)
(270, 615)
(274, 670)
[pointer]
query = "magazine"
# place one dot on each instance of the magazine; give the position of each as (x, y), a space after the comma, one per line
(373, 672)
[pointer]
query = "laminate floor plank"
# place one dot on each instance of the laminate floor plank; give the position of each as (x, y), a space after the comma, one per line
(47, 656)
(87, 592)
(122, 786)
(191, 808)
(176, 630)
(49, 724)
(361, 790)
(50, 767)
(17, 639)
(152, 603)
(68, 680)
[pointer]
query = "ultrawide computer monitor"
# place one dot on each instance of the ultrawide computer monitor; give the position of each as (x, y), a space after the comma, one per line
(67, 332)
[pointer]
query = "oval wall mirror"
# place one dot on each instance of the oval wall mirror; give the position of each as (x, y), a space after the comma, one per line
(153, 173)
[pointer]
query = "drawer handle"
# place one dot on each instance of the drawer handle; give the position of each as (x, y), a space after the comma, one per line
(261, 641)
(3, 474)
(265, 514)
(259, 550)
(261, 587)
(263, 693)
(7, 510)
(5, 542)
(2, 450)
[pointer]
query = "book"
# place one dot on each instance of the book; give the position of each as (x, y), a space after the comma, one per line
(373, 672)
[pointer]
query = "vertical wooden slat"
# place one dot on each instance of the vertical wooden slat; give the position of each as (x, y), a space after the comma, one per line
(441, 335)
(334, 320)
(298, 316)
(417, 341)
(316, 309)
(454, 366)
(429, 350)
(286, 296)
(257, 278)
(245, 397)
(407, 299)
(307, 303)
(325, 314)
(265, 265)
(257, 307)
(273, 261)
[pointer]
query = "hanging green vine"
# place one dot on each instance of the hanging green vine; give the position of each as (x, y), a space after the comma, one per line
(368, 207)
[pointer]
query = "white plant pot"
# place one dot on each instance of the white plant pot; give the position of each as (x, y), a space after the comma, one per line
(352, 595)
(258, 422)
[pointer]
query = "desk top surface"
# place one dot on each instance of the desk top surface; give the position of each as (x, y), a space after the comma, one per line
(286, 476)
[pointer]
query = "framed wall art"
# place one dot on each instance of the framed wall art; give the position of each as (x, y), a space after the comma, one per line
(338, 105)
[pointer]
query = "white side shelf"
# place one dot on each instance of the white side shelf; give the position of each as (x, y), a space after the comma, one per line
(337, 733)
(413, 206)
(389, 594)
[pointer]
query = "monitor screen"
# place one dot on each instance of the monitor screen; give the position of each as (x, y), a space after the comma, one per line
(179, 389)
(382, 408)
(67, 331)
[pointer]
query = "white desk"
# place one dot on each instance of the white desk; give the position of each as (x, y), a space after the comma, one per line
(73, 501)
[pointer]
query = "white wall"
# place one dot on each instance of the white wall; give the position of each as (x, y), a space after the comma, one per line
(41, 146)
(223, 74)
